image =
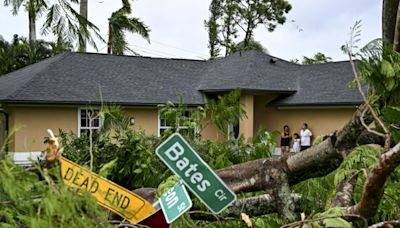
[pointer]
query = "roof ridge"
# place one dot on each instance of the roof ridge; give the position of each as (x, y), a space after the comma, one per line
(50, 61)
(138, 56)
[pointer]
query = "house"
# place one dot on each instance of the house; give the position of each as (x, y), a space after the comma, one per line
(55, 93)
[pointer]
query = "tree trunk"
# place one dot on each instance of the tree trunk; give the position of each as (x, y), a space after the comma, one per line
(32, 27)
(83, 11)
(344, 193)
(275, 175)
(396, 39)
(375, 184)
(109, 40)
(389, 12)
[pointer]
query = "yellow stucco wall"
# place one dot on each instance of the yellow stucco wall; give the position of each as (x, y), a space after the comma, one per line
(35, 120)
(320, 120)
(210, 131)
(246, 125)
(31, 124)
(145, 119)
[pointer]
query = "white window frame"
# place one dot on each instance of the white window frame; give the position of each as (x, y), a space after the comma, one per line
(169, 127)
(101, 121)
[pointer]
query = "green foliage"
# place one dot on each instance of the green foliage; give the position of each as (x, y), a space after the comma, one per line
(20, 53)
(317, 58)
(230, 16)
(128, 158)
(362, 158)
(213, 28)
(331, 218)
(318, 139)
(180, 118)
(34, 200)
(225, 110)
(379, 66)
(316, 192)
(167, 184)
(118, 23)
(252, 45)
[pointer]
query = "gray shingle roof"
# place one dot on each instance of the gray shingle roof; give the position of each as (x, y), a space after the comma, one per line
(252, 71)
(83, 78)
(78, 78)
(323, 84)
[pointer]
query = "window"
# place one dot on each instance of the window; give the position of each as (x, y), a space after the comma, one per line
(182, 121)
(84, 124)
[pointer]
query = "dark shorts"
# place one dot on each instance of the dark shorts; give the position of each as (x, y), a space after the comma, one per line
(304, 148)
(285, 142)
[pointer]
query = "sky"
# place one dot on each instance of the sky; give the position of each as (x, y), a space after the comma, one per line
(177, 27)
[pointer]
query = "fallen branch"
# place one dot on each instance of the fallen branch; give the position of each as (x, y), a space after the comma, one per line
(375, 183)
(393, 223)
(299, 223)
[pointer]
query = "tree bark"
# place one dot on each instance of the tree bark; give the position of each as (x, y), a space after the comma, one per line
(396, 38)
(375, 184)
(344, 193)
(276, 174)
(83, 11)
(32, 26)
(386, 224)
(389, 12)
(316, 161)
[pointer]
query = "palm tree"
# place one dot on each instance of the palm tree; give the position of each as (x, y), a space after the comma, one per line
(21, 52)
(62, 20)
(83, 11)
(118, 23)
(34, 9)
(66, 23)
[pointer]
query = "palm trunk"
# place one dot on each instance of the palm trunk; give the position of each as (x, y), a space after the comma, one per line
(109, 46)
(389, 12)
(32, 27)
(83, 11)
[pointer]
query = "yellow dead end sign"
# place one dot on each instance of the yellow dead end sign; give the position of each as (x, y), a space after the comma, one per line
(108, 194)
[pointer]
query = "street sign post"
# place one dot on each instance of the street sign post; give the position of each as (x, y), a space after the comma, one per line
(179, 156)
(175, 202)
(108, 194)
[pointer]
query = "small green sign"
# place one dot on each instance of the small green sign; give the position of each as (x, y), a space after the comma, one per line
(179, 156)
(175, 202)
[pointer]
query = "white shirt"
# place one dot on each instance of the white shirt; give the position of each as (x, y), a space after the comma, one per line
(296, 145)
(305, 136)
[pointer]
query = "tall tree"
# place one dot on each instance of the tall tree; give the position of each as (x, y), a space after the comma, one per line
(231, 20)
(118, 23)
(389, 15)
(83, 11)
(213, 28)
(19, 52)
(34, 9)
(68, 25)
(62, 20)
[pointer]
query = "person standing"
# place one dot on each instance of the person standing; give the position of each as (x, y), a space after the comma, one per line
(285, 139)
(305, 135)
(296, 142)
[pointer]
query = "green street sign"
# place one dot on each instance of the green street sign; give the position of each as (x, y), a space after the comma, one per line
(175, 202)
(179, 156)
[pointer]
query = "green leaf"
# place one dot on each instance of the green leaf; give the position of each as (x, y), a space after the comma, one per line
(391, 114)
(387, 69)
(337, 222)
(138, 170)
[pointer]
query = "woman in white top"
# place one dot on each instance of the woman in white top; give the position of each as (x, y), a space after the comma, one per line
(305, 137)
